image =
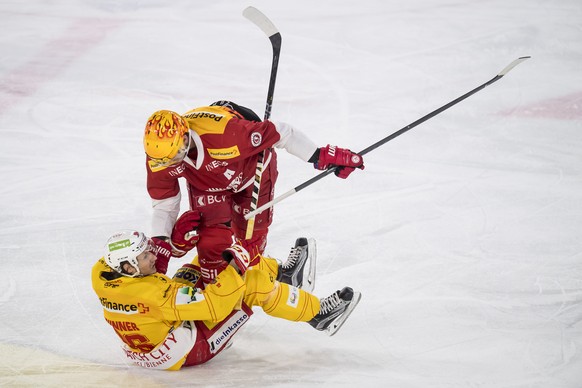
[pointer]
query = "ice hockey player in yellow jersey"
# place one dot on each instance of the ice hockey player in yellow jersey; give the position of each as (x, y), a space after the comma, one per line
(168, 323)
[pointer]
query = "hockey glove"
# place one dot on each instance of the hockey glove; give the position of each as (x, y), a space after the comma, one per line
(163, 252)
(332, 156)
(184, 236)
(238, 257)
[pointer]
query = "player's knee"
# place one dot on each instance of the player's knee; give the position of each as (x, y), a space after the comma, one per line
(259, 282)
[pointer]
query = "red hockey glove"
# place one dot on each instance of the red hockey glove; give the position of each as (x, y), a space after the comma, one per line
(184, 236)
(163, 252)
(238, 257)
(346, 160)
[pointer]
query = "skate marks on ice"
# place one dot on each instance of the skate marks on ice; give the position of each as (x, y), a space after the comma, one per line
(82, 35)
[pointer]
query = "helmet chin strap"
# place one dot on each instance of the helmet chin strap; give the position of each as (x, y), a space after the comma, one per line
(136, 274)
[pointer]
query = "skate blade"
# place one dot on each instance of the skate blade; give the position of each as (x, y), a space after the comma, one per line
(309, 281)
(337, 324)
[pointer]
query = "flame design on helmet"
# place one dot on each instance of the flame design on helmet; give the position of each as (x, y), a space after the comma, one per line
(164, 134)
(165, 123)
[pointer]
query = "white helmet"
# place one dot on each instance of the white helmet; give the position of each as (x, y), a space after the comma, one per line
(125, 246)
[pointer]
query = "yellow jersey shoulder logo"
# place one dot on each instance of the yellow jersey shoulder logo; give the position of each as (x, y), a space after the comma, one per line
(208, 119)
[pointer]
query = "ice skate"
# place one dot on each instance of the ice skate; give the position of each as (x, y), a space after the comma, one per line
(302, 256)
(335, 309)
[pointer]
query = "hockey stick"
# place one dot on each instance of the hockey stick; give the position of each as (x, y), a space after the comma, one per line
(392, 136)
(263, 22)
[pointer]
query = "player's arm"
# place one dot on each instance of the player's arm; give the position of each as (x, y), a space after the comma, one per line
(218, 299)
(298, 144)
(294, 141)
(164, 191)
(165, 212)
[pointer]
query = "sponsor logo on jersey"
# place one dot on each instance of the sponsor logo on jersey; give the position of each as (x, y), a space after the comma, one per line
(142, 308)
(224, 153)
(162, 357)
(124, 308)
(178, 170)
(206, 200)
(205, 115)
(227, 330)
(215, 164)
(293, 298)
(119, 308)
(114, 284)
(239, 209)
(256, 139)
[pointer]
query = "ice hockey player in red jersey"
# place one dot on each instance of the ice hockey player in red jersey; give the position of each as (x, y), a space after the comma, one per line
(215, 149)
(169, 323)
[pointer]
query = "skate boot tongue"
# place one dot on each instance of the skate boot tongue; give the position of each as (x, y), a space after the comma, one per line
(299, 269)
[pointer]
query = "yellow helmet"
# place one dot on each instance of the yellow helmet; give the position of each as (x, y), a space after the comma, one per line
(166, 138)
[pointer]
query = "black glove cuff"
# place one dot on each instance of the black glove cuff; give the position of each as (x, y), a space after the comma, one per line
(315, 157)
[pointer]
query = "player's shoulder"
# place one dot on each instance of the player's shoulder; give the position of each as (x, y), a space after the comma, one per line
(209, 120)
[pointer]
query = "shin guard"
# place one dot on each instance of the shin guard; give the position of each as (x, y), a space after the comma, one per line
(291, 303)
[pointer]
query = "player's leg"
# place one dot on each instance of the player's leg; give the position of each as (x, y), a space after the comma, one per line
(215, 234)
(214, 337)
(291, 303)
(279, 299)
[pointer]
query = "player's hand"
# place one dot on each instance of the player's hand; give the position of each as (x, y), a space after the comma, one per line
(238, 257)
(184, 235)
(346, 160)
(163, 252)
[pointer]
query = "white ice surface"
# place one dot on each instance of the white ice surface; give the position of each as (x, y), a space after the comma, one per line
(463, 235)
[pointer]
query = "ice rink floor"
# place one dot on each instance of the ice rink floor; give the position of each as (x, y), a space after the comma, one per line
(463, 235)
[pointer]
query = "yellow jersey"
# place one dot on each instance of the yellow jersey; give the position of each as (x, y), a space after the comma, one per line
(143, 311)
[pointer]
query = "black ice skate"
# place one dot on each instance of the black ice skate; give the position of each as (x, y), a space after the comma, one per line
(301, 256)
(335, 309)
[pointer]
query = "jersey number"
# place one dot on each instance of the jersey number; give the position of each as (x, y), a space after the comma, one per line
(137, 341)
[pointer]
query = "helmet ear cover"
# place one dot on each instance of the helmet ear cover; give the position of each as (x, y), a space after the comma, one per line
(166, 137)
(124, 247)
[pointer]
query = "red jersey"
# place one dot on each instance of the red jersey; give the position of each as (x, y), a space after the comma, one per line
(225, 156)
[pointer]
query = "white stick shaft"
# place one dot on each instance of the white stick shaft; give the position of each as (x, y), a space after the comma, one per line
(269, 204)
